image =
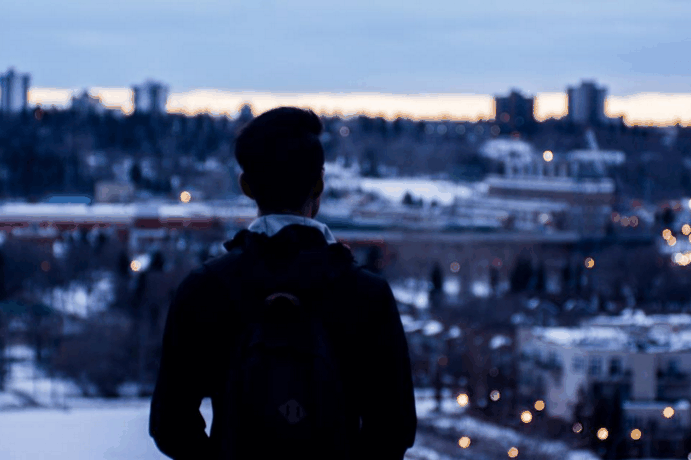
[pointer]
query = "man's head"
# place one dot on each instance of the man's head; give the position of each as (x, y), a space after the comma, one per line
(282, 161)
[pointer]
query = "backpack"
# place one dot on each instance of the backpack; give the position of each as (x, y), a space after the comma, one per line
(285, 392)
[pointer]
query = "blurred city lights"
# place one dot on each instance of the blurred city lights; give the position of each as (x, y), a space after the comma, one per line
(686, 229)
(526, 416)
(668, 412)
(495, 395)
(615, 217)
(689, 204)
(635, 434)
(464, 442)
(589, 262)
(634, 221)
(135, 265)
(625, 221)
(539, 405)
(672, 241)
(666, 233)
(455, 267)
(185, 197)
(548, 155)
(462, 399)
(344, 131)
(577, 428)
(45, 265)
(682, 259)
(513, 452)
(602, 434)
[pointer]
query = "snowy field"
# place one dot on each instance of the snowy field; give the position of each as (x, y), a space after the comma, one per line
(47, 419)
(114, 430)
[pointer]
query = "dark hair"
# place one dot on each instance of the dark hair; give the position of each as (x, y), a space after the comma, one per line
(281, 157)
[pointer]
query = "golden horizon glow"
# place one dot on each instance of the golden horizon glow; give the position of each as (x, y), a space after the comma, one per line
(643, 109)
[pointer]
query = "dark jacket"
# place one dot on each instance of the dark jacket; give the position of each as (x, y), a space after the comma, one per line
(368, 335)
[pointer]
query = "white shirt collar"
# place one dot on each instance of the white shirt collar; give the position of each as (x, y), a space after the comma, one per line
(271, 224)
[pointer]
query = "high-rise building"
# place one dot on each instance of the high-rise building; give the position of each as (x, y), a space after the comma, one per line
(514, 110)
(587, 104)
(14, 88)
(85, 104)
(150, 97)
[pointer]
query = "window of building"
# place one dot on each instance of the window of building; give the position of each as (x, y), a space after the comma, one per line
(594, 365)
(673, 366)
(578, 364)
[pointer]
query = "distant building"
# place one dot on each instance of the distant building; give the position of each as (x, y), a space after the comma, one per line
(514, 110)
(150, 97)
(15, 91)
(86, 104)
(645, 359)
(587, 104)
(114, 192)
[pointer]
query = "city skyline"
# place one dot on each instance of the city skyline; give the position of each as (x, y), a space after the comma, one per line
(639, 109)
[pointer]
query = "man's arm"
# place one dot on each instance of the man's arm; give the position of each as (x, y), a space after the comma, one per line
(175, 422)
(389, 419)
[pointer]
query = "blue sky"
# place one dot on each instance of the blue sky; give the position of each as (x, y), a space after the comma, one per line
(356, 46)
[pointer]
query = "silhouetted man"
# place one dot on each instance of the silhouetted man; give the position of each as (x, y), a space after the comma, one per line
(285, 257)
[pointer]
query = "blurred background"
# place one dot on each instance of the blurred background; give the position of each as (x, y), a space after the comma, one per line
(520, 173)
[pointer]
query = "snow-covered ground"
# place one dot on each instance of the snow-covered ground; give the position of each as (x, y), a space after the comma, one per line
(42, 418)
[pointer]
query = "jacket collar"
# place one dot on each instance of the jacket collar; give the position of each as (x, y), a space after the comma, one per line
(271, 224)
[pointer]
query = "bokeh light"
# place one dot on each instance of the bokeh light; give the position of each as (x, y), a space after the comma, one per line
(602, 434)
(455, 267)
(686, 229)
(666, 233)
(513, 452)
(45, 265)
(464, 442)
(548, 155)
(668, 412)
(635, 434)
(672, 241)
(577, 428)
(135, 265)
(589, 262)
(462, 400)
(495, 395)
(185, 197)
(526, 416)
(539, 405)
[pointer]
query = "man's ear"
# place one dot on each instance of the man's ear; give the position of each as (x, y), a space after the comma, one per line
(318, 187)
(244, 186)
